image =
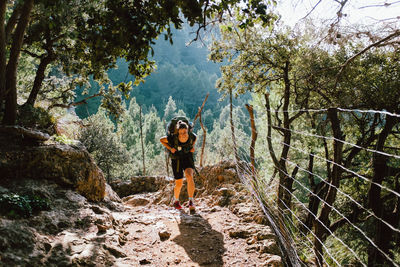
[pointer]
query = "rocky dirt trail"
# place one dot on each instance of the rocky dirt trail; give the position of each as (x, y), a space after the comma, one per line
(135, 225)
(158, 235)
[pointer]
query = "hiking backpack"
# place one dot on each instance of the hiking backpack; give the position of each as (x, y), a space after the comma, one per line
(171, 126)
(172, 132)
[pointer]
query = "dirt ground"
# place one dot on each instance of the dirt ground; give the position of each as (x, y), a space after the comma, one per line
(227, 229)
(159, 235)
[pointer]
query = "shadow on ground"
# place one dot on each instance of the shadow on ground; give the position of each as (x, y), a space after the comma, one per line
(202, 244)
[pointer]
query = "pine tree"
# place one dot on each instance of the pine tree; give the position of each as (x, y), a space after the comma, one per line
(170, 109)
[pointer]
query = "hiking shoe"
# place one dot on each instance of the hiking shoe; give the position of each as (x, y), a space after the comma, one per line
(177, 205)
(191, 206)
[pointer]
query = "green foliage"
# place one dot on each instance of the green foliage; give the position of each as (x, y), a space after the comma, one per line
(83, 39)
(63, 139)
(37, 118)
(105, 145)
(219, 141)
(152, 129)
(16, 206)
(183, 72)
(170, 109)
(295, 76)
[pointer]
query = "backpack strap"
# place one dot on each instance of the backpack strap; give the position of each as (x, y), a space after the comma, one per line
(174, 142)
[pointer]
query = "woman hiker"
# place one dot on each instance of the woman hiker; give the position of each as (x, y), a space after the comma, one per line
(181, 147)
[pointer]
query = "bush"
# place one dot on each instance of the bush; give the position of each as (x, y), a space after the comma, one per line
(15, 206)
(63, 139)
(36, 118)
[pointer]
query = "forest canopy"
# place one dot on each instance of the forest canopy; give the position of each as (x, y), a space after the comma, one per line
(81, 39)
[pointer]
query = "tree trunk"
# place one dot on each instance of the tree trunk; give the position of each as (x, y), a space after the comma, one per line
(203, 144)
(285, 182)
(40, 74)
(277, 163)
(322, 223)
(10, 114)
(253, 137)
(319, 192)
(233, 128)
(383, 234)
(3, 6)
(141, 139)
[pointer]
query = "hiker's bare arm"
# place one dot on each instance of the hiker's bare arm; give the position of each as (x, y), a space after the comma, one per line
(164, 141)
(194, 143)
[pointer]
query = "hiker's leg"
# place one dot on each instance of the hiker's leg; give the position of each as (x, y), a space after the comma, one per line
(190, 182)
(178, 175)
(177, 188)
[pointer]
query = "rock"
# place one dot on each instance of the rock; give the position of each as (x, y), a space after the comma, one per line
(144, 261)
(164, 235)
(138, 184)
(116, 252)
(265, 235)
(98, 210)
(261, 219)
(111, 195)
(213, 176)
(122, 239)
(269, 247)
(162, 230)
(76, 198)
(114, 206)
(225, 192)
(274, 261)
(25, 133)
(136, 201)
(101, 229)
(70, 166)
(251, 240)
(214, 209)
(239, 234)
(16, 242)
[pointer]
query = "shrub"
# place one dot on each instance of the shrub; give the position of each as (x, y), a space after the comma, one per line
(15, 206)
(36, 118)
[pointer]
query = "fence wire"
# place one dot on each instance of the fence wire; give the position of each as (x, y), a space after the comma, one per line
(329, 258)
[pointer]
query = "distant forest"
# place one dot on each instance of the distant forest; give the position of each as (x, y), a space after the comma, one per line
(183, 72)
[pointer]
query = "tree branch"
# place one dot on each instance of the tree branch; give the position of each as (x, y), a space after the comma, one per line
(32, 54)
(390, 36)
(200, 109)
(81, 102)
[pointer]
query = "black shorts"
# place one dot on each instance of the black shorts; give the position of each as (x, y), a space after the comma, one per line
(179, 165)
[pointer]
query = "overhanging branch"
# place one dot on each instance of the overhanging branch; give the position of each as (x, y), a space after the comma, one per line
(81, 102)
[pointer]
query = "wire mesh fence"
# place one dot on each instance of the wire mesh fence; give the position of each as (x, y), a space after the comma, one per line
(337, 196)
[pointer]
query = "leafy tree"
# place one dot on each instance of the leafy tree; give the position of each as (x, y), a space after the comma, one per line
(293, 75)
(153, 130)
(87, 37)
(129, 126)
(104, 144)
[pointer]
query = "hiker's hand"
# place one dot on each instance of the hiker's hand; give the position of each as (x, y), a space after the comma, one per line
(192, 150)
(173, 150)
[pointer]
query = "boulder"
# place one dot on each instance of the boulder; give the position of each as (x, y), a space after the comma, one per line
(69, 166)
(274, 261)
(216, 176)
(111, 194)
(138, 184)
